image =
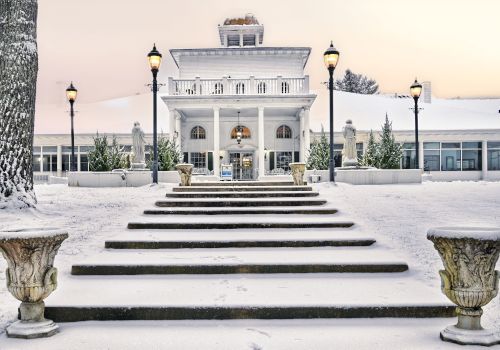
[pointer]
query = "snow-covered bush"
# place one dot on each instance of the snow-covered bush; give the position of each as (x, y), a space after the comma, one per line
(319, 153)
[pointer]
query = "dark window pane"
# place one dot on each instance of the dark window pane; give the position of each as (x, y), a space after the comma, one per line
(494, 144)
(283, 160)
(359, 146)
(46, 163)
(450, 145)
(431, 160)
(338, 146)
(84, 162)
(409, 145)
(86, 149)
(36, 163)
(67, 149)
(49, 149)
(198, 159)
(337, 157)
(409, 159)
(471, 160)
(431, 145)
(471, 145)
(494, 160)
(37, 149)
(450, 160)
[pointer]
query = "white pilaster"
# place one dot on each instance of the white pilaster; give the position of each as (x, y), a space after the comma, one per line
(262, 166)
(171, 124)
(484, 157)
(421, 155)
(59, 160)
(178, 131)
(216, 142)
(302, 135)
(307, 135)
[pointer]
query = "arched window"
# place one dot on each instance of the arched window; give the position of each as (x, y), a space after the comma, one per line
(284, 132)
(240, 89)
(245, 132)
(198, 133)
(219, 89)
(261, 88)
(285, 88)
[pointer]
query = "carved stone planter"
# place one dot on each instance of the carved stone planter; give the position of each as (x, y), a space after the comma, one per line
(31, 277)
(185, 171)
(298, 171)
(469, 279)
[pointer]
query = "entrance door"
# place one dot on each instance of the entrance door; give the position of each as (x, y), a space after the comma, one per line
(242, 165)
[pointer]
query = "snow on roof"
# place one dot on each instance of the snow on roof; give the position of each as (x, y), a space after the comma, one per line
(368, 112)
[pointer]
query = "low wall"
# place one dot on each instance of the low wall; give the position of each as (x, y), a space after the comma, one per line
(379, 176)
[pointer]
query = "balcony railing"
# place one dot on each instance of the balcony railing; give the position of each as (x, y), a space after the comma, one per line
(231, 86)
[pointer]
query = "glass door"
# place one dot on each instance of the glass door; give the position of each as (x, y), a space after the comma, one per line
(242, 165)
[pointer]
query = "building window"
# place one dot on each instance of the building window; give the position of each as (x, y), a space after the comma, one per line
(261, 88)
(494, 155)
(248, 40)
(36, 162)
(84, 162)
(409, 156)
(198, 133)
(450, 156)
(359, 150)
(240, 89)
(245, 132)
(337, 154)
(198, 159)
(284, 132)
(285, 88)
(219, 89)
(471, 156)
(233, 40)
(66, 162)
(432, 156)
(283, 160)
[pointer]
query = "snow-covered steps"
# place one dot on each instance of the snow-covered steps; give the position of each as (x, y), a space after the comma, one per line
(244, 183)
(86, 298)
(265, 194)
(241, 261)
(240, 211)
(240, 188)
(235, 225)
(239, 202)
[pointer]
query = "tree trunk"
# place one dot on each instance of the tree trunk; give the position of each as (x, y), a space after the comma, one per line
(18, 74)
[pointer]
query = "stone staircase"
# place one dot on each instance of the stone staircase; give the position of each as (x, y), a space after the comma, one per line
(227, 250)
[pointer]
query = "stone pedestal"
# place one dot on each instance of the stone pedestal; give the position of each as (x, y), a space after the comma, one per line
(469, 279)
(185, 172)
(137, 166)
(31, 277)
(298, 171)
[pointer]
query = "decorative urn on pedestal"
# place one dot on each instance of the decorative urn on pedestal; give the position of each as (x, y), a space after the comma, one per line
(185, 172)
(31, 277)
(298, 171)
(469, 279)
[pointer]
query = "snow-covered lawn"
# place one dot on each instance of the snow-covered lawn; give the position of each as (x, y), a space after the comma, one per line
(398, 216)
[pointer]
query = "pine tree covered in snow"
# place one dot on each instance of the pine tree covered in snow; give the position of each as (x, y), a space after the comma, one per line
(371, 155)
(18, 75)
(168, 154)
(99, 159)
(115, 155)
(319, 153)
(390, 152)
(356, 83)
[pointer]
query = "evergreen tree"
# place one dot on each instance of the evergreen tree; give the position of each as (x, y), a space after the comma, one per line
(168, 154)
(356, 83)
(18, 74)
(371, 156)
(115, 155)
(99, 156)
(319, 153)
(390, 152)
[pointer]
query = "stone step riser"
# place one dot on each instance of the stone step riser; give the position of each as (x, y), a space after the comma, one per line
(243, 189)
(229, 203)
(234, 269)
(120, 313)
(244, 183)
(240, 194)
(235, 244)
(240, 212)
(234, 225)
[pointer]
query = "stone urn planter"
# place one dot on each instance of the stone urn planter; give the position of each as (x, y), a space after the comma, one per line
(298, 171)
(185, 172)
(31, 277)
(469, 279)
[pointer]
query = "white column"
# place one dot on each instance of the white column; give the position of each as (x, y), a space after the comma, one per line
(216, 142)
(302, 137)
(178, 131)
(421, 155)
(484, 156)
(171, 124)
(307, 136)
(59, 160)
(262, 164)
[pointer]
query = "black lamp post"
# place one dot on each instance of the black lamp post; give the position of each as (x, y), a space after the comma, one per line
(239, 131)
(331, 57)
(71, 93)
(154, 58)
(416, 90)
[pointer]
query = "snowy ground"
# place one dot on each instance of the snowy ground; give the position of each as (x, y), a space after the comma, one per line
(396, 215)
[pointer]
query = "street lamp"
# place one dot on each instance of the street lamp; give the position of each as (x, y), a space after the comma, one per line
(154, 59)
(331, 58)
(71, 93)
(415, 91)
(239, 131)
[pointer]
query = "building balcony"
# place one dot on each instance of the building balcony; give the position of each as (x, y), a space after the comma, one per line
(231, 86)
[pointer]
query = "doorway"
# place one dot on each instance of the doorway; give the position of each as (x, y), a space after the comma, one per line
(242, 165)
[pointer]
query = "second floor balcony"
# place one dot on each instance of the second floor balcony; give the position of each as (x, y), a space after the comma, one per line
(235, 86)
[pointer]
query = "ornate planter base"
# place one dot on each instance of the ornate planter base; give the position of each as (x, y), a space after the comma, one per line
(31, 330)
(185, 172)
(298, 171)
(485, 337)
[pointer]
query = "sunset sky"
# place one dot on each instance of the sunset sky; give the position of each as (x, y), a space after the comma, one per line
(101, 44)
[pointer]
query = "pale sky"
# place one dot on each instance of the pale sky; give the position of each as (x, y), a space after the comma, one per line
(102, 44)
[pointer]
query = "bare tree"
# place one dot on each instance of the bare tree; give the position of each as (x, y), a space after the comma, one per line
(18, 74)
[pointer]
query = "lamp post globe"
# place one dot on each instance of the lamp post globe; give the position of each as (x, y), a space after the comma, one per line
(331, 58)
(154, 60)
(415, 91)
(71, 93)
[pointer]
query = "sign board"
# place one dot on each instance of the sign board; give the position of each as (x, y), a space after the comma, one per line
(226, 172)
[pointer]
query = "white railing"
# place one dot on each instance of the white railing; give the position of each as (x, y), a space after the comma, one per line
(232, 86)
